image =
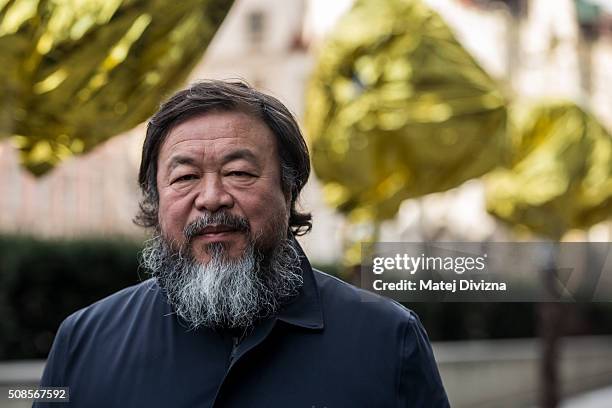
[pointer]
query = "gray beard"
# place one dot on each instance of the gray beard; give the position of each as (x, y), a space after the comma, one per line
(224, 293)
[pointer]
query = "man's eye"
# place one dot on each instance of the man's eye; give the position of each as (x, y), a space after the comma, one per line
(186, 177)
(240, 174)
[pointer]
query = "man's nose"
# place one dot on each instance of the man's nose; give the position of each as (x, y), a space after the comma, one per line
(212, 194)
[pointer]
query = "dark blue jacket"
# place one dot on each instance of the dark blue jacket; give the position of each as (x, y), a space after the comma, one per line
(334, 346)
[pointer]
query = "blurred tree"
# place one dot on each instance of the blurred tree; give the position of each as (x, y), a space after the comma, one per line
(74, 73)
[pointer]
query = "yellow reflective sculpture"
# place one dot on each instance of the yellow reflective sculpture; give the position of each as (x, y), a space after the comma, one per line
(74, 73)
(561, 175)
(397, 108)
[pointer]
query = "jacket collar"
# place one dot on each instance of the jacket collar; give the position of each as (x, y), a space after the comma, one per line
(305, 310)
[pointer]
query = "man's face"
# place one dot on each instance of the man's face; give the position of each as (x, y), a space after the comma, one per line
(221, 162)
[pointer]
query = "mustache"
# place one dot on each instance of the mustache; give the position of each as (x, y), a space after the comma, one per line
(219, 219)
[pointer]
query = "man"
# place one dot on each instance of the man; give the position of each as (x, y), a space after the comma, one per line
(234, 315)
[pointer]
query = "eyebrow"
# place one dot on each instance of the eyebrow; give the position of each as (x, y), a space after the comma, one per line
(178, 160)
(245, 154)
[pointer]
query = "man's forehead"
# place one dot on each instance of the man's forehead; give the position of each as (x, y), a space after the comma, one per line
(219, 128)
(221, 136)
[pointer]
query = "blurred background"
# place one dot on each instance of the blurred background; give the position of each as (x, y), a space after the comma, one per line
(433, 120)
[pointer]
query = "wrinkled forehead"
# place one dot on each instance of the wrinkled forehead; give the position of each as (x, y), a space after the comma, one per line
(219, 136)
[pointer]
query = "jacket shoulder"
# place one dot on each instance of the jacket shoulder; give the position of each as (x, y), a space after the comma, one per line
(113, 309)
(349, 299)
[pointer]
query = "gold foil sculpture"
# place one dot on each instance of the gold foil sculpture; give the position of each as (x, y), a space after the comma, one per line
(397, 108)
(561, 175)
(74, 73)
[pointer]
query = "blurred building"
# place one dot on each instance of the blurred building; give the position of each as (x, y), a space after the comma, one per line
(95, 194)
(540, 48)
(536, 48)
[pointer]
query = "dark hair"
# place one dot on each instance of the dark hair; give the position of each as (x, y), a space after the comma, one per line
(214, 95)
